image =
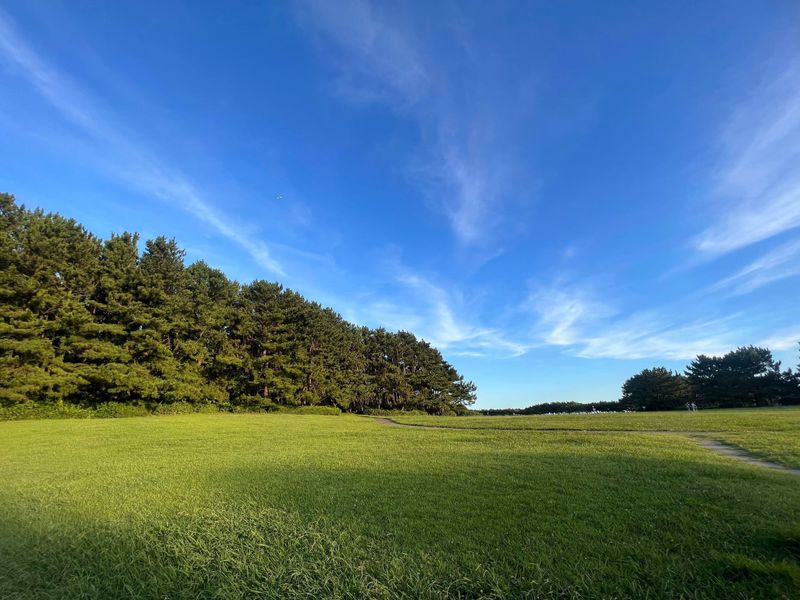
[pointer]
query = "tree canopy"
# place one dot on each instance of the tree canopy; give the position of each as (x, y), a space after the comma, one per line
(747, 376)
(655, 389)
(86, 321)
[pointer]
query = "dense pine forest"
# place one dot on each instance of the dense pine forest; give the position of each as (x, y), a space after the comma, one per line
(86, 321)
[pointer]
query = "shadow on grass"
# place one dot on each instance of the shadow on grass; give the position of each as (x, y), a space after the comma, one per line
(549, 525)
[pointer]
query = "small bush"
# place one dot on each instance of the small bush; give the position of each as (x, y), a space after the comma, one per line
(174, 408)
(386, 412)
(29, 410)
(377, 412)
(312, 410)
(249, 404)
(206, 409)
(114, 410)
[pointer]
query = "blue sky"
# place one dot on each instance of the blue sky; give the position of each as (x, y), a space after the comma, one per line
(554, 194)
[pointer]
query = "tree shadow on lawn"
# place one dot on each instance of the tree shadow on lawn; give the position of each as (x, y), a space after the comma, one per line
(561, 526)
(579, 518)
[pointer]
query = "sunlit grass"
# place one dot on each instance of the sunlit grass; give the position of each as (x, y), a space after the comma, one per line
(280, 506)
(726, 420)
(770, 433)
(780, 446)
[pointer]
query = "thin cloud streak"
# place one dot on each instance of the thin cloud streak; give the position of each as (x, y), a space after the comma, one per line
(562, 311)
(133, 164)
(442, 326)
(650, 335)
(758, 194)
(571, 317)
(780, 263)
(465, 166)
(434, 314)
(784, 342)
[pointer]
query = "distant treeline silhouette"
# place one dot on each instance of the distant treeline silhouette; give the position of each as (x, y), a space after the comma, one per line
(747, 376)
(87, 321)
(554, 407)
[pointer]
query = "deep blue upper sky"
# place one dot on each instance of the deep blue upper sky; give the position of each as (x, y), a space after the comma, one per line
(556, 194)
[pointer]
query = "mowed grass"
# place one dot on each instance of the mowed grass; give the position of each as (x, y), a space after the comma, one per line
(286, 506)
(720, 420)
(782, 447)
(770, 433)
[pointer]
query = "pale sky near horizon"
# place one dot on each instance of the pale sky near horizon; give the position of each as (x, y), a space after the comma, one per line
(556, 195)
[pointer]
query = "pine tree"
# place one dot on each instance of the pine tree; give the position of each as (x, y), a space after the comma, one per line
(87, 321)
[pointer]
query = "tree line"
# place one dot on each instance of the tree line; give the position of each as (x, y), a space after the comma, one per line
(88, 321)
(745, 377)
(547, 408)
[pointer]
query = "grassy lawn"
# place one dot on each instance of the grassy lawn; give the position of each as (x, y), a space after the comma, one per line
(287, 506)
(771, 433)
(782, 447)
(722, 420)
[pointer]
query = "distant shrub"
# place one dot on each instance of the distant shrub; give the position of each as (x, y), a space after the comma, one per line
(447, 412)
(249, 404)
(29, 410)
(114, 410)
(312, 410)
(386, 412)
(173, 408)
(377, 412)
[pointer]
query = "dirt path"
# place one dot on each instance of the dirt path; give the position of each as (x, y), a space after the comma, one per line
(740, 454)
(700, 438)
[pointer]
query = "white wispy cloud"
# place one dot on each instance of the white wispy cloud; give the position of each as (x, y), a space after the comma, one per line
(444, 328)
(563, 311)
(376, 61)
(786, 340)
(465, 165)
(570, 316)
(135, 164)
(777, 264)
(653, 335)
(758, 192)
(433, 311)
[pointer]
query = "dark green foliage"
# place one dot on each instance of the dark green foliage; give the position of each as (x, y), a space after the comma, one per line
(655, 389)
(385, 412)
(747, 376)
(312, 410)
(87, 322)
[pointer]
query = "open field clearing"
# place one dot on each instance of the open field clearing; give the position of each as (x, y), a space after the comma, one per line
(770, 433)
(724, 420)
(282, 506)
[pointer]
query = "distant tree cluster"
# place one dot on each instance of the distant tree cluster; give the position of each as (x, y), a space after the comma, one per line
(747, 376)
(548, 408)
(86, 321)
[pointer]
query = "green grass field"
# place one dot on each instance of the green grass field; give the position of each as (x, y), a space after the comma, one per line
(772, 434)
(287, 506)
(724, 420)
